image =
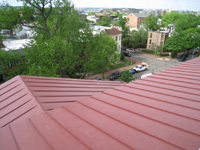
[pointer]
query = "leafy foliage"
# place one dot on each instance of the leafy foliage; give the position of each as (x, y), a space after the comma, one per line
(9, 16)
(105, 21)
(13, 64)
(170, 18)
(139, 37)
(126, 76)
(151, 22)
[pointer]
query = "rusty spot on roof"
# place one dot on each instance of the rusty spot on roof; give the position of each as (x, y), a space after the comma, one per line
(113, 31)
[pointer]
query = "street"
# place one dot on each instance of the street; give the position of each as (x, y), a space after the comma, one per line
(155, 64)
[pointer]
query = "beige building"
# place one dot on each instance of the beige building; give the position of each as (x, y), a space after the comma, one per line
(135, 19)
(156, 38)
(117, 35)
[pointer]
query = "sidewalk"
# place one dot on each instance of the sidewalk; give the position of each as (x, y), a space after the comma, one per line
(157, 57)
(118, 69)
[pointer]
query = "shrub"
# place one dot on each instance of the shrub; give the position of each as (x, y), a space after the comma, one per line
(173, 54)
(122, 57)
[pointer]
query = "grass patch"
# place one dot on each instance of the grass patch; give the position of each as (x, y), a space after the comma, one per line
(153, 52)
(119, 65)
(128, 62)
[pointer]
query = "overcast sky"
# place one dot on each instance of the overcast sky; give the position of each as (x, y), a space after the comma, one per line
(193, 5)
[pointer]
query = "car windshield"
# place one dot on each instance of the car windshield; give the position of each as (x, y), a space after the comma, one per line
(137, 66)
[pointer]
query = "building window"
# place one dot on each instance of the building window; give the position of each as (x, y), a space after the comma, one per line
(150, 35)
(149, 47)
(161, 43)
(119, 38)
(116, 38)
(163, 36)
(149, 41)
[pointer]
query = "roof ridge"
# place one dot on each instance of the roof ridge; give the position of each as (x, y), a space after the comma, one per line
(23, 82)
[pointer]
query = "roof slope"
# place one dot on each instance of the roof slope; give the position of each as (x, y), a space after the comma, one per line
(139, 15)
(161, 111)
(25, 96)
(17, 102)
(113, 31)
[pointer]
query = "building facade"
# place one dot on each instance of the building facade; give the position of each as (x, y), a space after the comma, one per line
(135, 19)
(156, 38)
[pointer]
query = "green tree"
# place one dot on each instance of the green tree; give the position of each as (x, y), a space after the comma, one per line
(92, 13)
(126, 76)
(101, 52)
(170, 18)
(160, 48)
(13, 64)
(151, 22)
(9, 16)
(105, 21)
(139, 37)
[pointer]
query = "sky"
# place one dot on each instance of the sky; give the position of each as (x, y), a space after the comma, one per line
(192, 5)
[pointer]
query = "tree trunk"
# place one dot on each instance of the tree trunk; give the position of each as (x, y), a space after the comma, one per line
(62, 73)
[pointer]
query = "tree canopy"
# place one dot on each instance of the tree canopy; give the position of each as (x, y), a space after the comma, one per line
(105, 21)
(170, 18)
(151, 22)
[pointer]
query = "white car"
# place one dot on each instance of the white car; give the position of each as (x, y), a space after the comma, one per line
(139, 68)
(146, 75)
(131, 50)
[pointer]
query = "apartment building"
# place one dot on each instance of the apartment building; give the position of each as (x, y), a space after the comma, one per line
(135, 19)
(156, 38)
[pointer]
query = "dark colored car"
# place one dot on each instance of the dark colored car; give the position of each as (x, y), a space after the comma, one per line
(132, 71)
(194, 52)
(114, 75)
(96, 78)
(182, 58)
(184, 54)
(123, 48)
(127, 54)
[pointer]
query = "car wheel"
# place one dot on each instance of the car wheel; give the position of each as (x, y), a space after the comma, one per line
(145, 68)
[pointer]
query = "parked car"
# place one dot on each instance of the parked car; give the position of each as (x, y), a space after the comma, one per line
(131, 50)
(115, 75)
(146, 75)
(184, 54)
(182, 58)
(122, 48)
(131, 71)
(139, 68)
(127, 54)
(96, 78)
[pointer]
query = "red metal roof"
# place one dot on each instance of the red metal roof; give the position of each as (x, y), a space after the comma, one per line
(113, 31)
(25, 96)
(161, 111)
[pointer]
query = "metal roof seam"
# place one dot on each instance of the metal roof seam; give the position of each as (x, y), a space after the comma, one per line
(64, 96)
(18, 116)
(14, 101)
(12, 94)
(14, 136)
(67, 129)
(175, 76)
(21, 78)
(2, 85)
(131, 126)
(9, 90)
(146, 80)
(183, 98)
(57, 102)
(165, 88)
(41, 134)
(151, 118)
(155, 77)
(153, 99)
(15, 108)
(173, 72)
(98, 128)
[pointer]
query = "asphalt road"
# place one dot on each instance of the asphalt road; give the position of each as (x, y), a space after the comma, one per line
(155, 64)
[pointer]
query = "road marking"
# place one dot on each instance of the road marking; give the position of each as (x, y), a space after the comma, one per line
(159, 58)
